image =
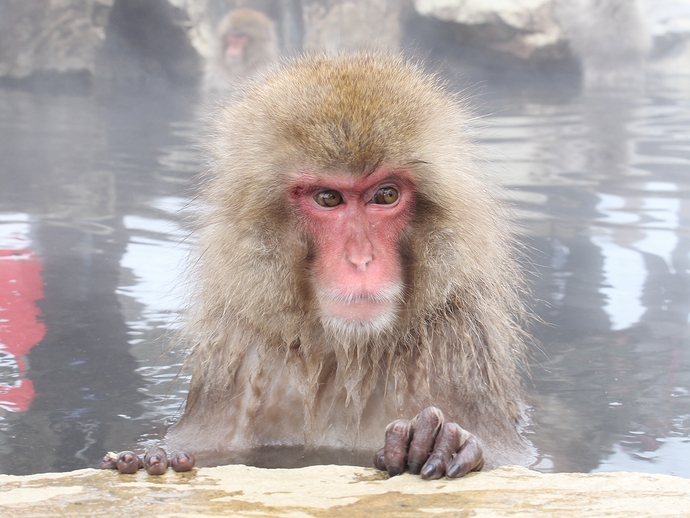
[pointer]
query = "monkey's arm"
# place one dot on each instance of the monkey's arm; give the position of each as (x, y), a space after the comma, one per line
(429, 446)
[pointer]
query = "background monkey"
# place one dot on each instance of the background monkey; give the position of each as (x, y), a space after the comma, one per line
(353, 271)
(245, 41)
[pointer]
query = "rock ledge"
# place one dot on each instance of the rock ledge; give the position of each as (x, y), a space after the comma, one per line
(342, 491)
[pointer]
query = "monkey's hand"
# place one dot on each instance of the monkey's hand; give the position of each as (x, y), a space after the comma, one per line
(430, 447)
(155, 462)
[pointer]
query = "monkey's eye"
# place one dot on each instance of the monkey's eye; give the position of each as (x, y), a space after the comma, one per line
(385, 196)
(328, 198)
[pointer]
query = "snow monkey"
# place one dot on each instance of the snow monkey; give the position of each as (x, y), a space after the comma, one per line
(245, 42)
(355, 285)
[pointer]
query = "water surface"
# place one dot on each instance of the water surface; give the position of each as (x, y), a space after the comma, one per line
(93, 198)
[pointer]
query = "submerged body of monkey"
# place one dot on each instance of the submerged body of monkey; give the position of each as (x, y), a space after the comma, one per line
(353, 270)
(245, 42)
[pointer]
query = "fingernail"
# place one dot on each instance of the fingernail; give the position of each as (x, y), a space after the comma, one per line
(382, 461)
(394, 471)
(415, 467)
(454, 471)
(429, 470)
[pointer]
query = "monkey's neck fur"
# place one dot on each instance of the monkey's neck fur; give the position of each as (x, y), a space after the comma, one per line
(336, 392)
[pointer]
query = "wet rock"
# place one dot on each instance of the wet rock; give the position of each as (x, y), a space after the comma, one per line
(613, 40)
(524, 29)
(353, 24)
(51, 37)
(79, 41)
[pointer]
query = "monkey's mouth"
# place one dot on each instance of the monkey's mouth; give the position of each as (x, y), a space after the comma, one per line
(361, 307)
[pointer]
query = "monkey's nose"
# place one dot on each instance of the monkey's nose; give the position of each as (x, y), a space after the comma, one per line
(359, 252)
(360, 261)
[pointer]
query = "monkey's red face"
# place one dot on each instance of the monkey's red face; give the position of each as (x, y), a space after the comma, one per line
(235, 45)
(355, 224)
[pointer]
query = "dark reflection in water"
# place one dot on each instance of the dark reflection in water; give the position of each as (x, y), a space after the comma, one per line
(94, 192)
(83, 184)
(602, 185)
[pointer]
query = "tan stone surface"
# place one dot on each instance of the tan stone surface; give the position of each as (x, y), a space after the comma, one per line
(351, 492)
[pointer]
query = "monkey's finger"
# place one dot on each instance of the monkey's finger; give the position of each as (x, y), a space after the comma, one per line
(109, 461)
(183, 461)
(156, 461)
(395, 448)
(380, 460)
(128, 462)
(469, 458)
(447, 443)
(425, 428)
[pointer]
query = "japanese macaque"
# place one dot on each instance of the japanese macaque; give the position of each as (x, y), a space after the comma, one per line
(245, 42)
(355, 282)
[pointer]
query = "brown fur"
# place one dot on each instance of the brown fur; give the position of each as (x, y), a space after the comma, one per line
(266, 374)
(261, 48)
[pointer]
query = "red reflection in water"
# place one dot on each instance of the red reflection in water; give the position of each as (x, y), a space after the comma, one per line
(20, 324)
